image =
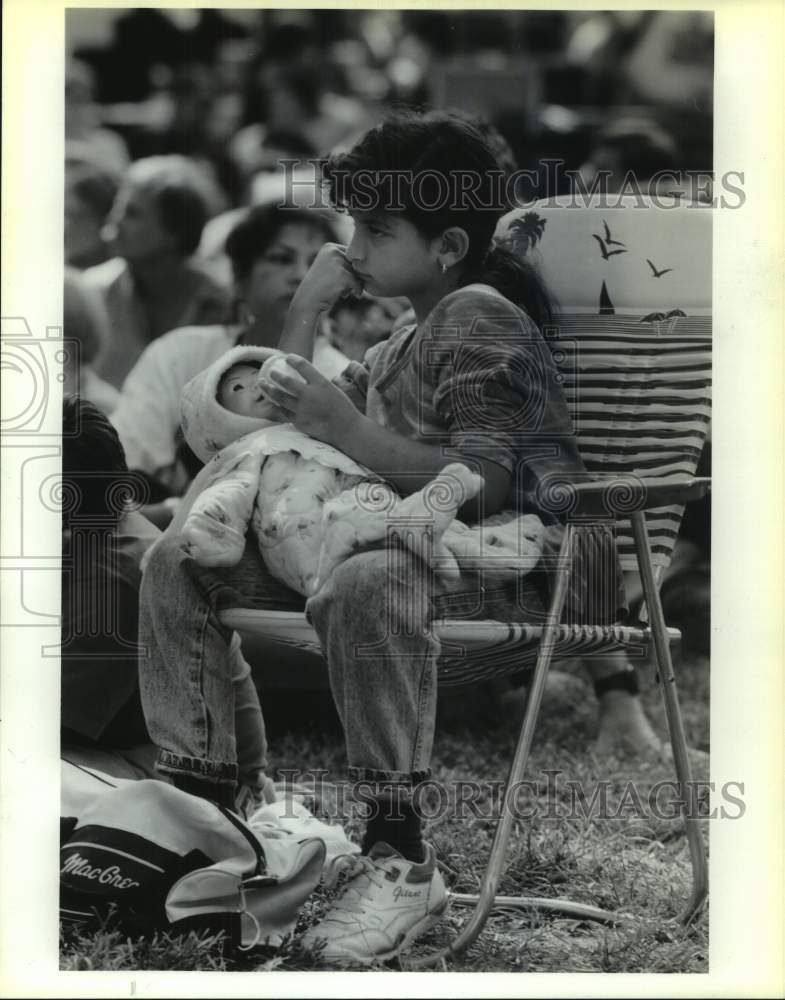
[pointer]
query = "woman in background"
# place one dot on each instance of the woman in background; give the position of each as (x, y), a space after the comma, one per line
(90, 191)
(152, 286)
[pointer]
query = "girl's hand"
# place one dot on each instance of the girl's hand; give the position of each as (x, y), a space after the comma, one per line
(312, 403)
(329, 278)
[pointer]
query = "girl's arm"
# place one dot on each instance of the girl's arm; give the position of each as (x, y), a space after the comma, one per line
(299, 331)
(320, 409)
(329, 278)
(410, 465)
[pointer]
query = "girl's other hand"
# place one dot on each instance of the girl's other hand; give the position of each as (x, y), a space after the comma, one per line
(329, 278)
(313, 404)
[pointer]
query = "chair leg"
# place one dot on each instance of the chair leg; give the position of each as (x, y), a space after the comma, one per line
(678, 739)
(495, 866)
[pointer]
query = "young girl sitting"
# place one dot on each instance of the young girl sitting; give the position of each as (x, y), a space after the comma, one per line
(311, 507)
(473, 381)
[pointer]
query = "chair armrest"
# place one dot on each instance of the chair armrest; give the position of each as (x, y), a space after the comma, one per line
(620, 496)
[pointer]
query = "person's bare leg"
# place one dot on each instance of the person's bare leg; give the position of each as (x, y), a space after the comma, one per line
(624, 727)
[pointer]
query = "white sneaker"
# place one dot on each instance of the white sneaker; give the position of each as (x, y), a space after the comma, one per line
(387, 903)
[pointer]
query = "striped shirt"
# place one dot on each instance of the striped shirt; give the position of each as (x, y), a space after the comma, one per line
(478, 380)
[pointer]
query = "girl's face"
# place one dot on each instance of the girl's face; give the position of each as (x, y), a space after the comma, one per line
(135, 226)
(276, 275)
(390, 256)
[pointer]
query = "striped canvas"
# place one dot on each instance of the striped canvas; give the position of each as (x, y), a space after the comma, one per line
(640, 398)
(487, 649)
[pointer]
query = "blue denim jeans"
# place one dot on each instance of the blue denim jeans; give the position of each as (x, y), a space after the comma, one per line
(373, 619)
(196, 688)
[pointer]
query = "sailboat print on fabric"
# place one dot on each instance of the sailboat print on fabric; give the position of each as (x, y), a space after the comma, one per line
(606, 306)
(522, 231)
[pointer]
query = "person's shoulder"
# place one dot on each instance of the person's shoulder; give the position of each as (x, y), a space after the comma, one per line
(212, 335)
(475, 306)
(187, 346)
(105, 274)
(479, 315)
(479, 293)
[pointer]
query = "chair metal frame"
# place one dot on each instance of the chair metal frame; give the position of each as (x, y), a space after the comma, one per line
(487, 899)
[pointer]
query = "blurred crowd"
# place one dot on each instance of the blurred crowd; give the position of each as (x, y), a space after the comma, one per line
(176, 123)
(235, 90)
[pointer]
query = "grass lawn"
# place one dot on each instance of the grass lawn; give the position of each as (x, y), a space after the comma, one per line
(628, 860)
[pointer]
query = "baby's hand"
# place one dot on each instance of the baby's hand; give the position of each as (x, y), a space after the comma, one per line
(329, 278)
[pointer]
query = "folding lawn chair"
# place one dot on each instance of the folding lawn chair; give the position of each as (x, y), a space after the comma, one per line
(633, 346)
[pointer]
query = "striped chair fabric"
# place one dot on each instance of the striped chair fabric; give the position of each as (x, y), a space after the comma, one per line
(641, 403)
(478, 650)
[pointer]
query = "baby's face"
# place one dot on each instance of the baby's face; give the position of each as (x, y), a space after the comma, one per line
(239, 392)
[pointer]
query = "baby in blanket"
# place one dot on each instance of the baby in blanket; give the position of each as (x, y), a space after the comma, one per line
(310, 505)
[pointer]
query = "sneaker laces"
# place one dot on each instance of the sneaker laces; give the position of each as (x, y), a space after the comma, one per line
(345, 863)
(362, 872)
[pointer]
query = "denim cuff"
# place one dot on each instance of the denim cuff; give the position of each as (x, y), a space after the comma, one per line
(374, 776)
(197, 767)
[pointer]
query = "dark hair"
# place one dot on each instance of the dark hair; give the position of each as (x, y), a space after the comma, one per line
(251, 237)
(302, 79)
(93, 460)
(277, 70)
(426, 154)
(184, 197)
(291, 140)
